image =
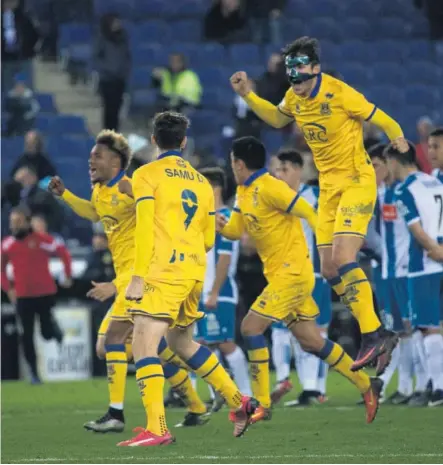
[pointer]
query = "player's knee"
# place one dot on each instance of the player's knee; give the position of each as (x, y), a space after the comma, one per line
(329, 270)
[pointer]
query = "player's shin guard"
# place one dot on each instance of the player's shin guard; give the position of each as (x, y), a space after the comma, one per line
(168, 356)
(208, 367)
(179, 380)
(117, 367)
(151, 381)
(259, 368)
(358, 296)
(335, 356)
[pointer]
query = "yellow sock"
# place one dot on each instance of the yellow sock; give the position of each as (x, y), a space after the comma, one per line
(335, 356)
(338, 286)
(208, 367)
(168, 356)
(151, 382)
(358, 296)
(258, 354)
(117, 367)
(128, 349)
(179, 380)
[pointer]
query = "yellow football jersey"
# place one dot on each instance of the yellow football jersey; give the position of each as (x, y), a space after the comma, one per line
(265, 203)
(117, 213)
(331, 120)
(183, 212)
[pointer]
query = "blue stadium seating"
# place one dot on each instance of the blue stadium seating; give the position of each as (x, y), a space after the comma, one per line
(151, 9)
(418, 49)
(386, 96)
(189, 30)
(154, 31)
(123, 8)
(356, 74)
(421, 94)
(356, 28)
(244, 54)
(388, 73)
(206, 122)
(69, 125)
(358, 8)
(293, 28)
(65, 147)
(393, 28)
(388, 50)
(217, 99)
(325, 28)
(43, 123)
(272, 140)
(12, 148)
(74, 33)
(140, 78)
(355, 50)
(213, 77)
(190, 9)
(46, 102)
(423, 72)
(141, 99)
(145, 54)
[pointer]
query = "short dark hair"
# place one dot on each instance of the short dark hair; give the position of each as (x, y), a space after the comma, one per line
(438, 132)
(170, 129)
(305, 45)
(377, 151)
(22, 210)
(292, 156)
(405, 159)
(215, 175)
(251, 151)
(117, 143)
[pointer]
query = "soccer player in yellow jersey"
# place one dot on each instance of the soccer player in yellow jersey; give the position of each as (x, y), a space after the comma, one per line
(270, 211)
(330, 114)
(107, 163)
(175, 228)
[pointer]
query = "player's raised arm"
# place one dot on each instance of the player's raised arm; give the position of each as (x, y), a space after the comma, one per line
(144, 232)
(265, 110)
(82, 207)
(356, 105)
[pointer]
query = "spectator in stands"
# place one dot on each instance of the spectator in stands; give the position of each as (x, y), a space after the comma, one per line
(225, 22)
(265, 17)
(99, 262)
(273, 84)
(19, 39)
(21, 108)
(246, 121)
(39, 201)
(35, 156)
(112, 60)
(434, 12)
(424, 127)
(180, 88)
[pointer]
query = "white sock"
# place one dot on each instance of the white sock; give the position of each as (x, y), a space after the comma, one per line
(419, 361)
(117, 406)
(311, 365)
(405, 367)
(281, 353)
(390, 369)
(239, 366)
(322, 372)
(193, 378)
(211, 391)
(433, 344)
(299, 358)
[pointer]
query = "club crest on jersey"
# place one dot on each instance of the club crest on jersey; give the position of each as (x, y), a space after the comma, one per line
(297, 108)
(325, 108)
(255, 197)
(329, 95)
(181, 163)
(114, 200)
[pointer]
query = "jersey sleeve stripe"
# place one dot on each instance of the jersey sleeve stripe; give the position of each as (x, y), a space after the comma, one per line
(237, 210)
(291, 205)
(372, 113)
(413, 220)
(211, 213)
(147, 197)
(224, 252)
(284, 112)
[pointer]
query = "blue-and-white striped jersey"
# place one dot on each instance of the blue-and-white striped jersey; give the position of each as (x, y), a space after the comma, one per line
(420, 198)
(222, 246)
(311, 193)
(438, 174)
(394, 233)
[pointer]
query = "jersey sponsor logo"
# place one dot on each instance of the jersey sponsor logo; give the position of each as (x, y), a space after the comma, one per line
(110, 223)
(149, 288)
(255, 198)
(181, 163)
(114, 200)
(314, 132)
(251, 222)
(389, 212)
(325, 109)
(348, 222)
(402, 208)
(359, 209)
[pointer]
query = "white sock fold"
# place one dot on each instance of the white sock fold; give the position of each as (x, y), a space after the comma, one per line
(419, 361)
(323, 370)
(311, 365)
(405, 367)
(239, 367)
(281, 353)
(390, 369)
(193, 378)
(433, 344)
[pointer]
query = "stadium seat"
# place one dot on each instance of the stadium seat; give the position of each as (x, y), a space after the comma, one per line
(417, 94)
(64, 147)
(149, 55)
(142, 99)
(244, 53)
(43, 123)
(393, 28)
(356, 28)
(418, 49)
(253, 71)
(388, 73)
(388, 50)
(217, 98)
(205, 122)
(186, 31)
(358, 51)
(213, 76)
(329, 8)
(331, 52)
(150, 9)
(46, 102)
(154, 31)
(12, 148)
(140, 78)
(420, 27)
(209, 53)
(355, 74)
(386, 96)
(397, 8)
(69, 125)
(190, 9)
(123, 8)
(80, 53)
(74, 33)
(358, 8)
(272, 140)
(293, 28)
(423, 72)
(325, 28)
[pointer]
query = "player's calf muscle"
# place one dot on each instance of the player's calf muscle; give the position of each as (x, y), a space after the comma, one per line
(253, 325)
(345, 249)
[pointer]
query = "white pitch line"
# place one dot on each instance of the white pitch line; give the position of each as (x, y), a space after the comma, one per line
(167, 458)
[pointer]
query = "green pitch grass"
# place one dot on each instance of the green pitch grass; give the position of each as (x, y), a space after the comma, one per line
(43, 424)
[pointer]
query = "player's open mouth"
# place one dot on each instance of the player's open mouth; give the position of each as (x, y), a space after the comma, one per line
(92, 171)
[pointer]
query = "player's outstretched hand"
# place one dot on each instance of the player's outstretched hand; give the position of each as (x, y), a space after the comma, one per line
(401, 144)
(220, 221)
(240, 83)
(56, 186)
(101, 291)
(125, 187)
(135, 289)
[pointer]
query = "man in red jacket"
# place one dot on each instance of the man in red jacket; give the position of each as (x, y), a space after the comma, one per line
(33, 287)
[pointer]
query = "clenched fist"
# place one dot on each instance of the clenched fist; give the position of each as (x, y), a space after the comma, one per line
(401, 144)
(56, 186)
(241, 83)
